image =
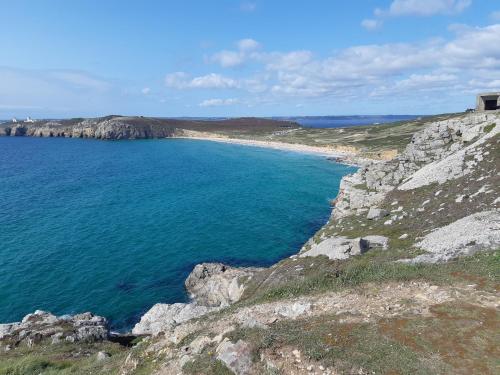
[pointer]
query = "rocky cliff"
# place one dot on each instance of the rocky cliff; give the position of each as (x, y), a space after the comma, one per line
(134, 127)
(402, 279)
(446, 181)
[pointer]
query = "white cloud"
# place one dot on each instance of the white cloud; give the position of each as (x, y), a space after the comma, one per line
(371, 24)
(495, 16)
(247, 44)
(182, 80)
(425, 7)
(213, 80)
(379, 70)
(178, 80)
(146, 90)
(245, 50)
(218, 102)
(248, 6)
(287, 61)
(228, 59)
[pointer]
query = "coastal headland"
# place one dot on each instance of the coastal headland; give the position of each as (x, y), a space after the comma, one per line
(352, 144)
(403, 278)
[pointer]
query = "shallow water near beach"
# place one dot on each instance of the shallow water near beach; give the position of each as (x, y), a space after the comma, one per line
(115, 227)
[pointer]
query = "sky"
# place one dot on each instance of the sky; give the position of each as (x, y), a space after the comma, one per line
(246, 58)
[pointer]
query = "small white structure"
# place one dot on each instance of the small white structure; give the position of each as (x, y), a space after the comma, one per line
(14, 119)
(29, 119)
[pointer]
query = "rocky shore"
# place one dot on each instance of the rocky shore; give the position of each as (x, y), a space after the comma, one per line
(411, 243)
(134, 127)
(123, 127)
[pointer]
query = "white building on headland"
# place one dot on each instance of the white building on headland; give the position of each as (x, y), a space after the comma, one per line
(29, 119)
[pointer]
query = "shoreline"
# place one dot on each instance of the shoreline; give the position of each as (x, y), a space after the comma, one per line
(327, 152)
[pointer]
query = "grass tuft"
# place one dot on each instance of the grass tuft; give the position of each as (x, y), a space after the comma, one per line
(489, 127)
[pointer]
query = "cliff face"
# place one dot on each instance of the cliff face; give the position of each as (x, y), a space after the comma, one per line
(125, 127)
(447, 173)
(100, 128)
(437, 142)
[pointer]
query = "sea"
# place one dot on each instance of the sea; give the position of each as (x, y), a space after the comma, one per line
(347, 121)
(114, 227)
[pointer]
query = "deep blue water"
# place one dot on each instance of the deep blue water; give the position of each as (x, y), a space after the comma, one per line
(348, 121)
(114, 227)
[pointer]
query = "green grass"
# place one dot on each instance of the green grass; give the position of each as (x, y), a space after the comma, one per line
(32, 364)
(66, 358)
(325, 275)
(489, 127)
(206, 364)
(456, 338)
(346, 347)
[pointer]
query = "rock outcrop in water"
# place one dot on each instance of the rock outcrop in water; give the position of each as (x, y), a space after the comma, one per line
(212, 286)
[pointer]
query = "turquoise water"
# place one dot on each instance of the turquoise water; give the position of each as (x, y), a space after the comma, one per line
(114, 227)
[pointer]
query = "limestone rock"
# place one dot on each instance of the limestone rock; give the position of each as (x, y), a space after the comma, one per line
(337, 248)
(237, 357)
(215, 284)
(423, 162)
(376, 241)
(375, 213)
(164, 317)
(343, 247)
(102, 356)
(293, 311)
(43, 325)
(466, 236)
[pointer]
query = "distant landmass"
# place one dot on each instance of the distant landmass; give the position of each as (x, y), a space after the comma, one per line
(346, 121)
(311, 121)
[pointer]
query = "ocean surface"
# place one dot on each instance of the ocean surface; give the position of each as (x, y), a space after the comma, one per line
(348, 121)
(115, 227)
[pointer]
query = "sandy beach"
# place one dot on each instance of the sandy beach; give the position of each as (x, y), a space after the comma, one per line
(314, 150)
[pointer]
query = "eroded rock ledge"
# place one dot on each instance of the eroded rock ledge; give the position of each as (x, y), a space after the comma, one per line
(211, 286)
(42, 325)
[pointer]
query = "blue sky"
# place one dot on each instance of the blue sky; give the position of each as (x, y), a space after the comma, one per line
(246, 58)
